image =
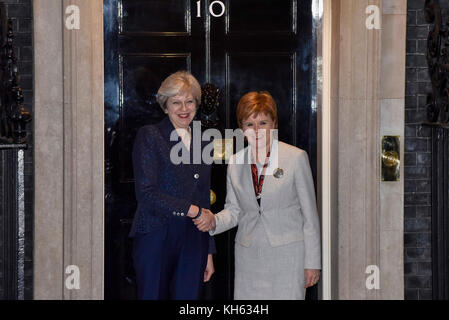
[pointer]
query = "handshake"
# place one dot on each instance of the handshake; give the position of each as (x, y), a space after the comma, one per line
(205, 221)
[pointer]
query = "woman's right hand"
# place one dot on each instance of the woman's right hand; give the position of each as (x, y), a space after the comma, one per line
(206, 221)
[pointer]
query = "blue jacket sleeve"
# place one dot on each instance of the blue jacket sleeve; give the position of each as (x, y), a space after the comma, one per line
(145, 163)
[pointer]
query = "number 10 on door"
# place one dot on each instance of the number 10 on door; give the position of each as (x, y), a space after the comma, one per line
(214, 7)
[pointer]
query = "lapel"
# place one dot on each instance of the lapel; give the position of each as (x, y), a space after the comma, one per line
(246, 177)
(269, 183)
(166, 128)
(184, 171)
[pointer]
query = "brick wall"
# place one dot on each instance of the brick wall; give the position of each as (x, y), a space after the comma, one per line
(20, 11)
(417, 160)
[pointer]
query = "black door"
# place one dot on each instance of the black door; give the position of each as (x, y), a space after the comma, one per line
(255, 45)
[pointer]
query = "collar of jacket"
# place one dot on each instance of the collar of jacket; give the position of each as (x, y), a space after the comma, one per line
(244, 157)
(166, 127)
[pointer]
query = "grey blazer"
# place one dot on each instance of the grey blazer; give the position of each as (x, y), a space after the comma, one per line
(288, 208)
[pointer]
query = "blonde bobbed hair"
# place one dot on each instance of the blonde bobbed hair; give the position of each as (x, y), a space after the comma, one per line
(181, 82)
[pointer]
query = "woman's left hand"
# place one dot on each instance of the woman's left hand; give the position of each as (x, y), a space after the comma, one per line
(209, 268)
(311, 277)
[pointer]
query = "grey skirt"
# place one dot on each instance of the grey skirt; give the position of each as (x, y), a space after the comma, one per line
(263, 272)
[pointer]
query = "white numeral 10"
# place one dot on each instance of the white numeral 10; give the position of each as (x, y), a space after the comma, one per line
(211, 9)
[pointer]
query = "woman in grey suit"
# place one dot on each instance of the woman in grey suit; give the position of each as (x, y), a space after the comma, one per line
(271, 197)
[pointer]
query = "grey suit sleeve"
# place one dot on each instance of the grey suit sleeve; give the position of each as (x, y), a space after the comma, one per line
(227, 218)
(311, 227)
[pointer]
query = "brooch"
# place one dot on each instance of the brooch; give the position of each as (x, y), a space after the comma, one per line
(278, 173)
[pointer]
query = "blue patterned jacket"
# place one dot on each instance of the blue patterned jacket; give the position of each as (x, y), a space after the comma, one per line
(164, 189)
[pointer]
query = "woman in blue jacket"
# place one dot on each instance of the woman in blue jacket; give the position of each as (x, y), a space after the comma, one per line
(172, 258)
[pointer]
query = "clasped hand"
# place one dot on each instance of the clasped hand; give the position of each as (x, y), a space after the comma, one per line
(206, 221)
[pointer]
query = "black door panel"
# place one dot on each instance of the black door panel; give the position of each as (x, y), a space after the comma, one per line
(164, 16)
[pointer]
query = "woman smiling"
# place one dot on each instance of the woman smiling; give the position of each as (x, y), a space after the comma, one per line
(171, 257)
(271, 198)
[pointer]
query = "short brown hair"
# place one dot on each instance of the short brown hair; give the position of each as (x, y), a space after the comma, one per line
(254, 103)
(179, 83)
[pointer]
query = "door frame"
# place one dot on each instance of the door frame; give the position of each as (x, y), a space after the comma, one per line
(79, 233)
(327, 169)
